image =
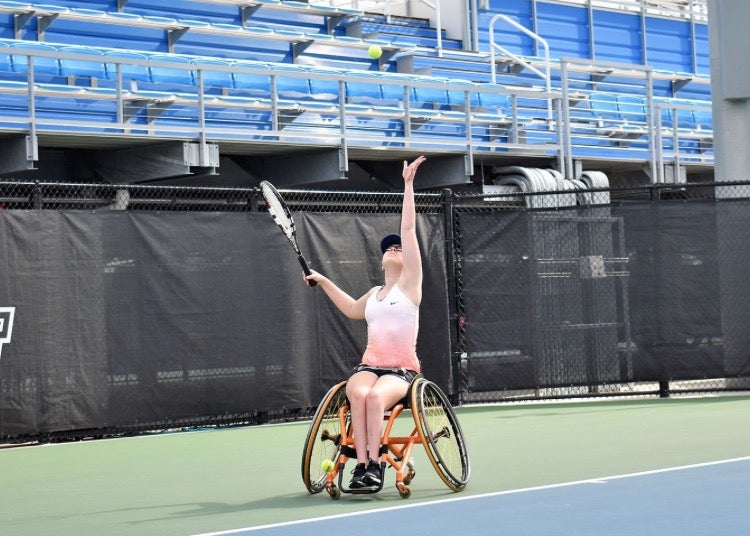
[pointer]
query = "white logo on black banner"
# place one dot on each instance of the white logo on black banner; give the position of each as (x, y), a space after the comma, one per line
(6, 325)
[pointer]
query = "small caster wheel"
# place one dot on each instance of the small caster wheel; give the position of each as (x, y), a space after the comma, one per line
(403, 490)
(334, 492)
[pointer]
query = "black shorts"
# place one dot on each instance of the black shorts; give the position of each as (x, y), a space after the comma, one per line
(405, 374)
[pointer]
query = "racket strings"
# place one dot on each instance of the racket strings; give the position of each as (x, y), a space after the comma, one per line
(278, 212)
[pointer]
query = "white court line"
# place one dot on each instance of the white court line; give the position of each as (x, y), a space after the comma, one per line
(599, 480)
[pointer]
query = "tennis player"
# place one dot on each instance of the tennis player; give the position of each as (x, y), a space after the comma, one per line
(390, 361)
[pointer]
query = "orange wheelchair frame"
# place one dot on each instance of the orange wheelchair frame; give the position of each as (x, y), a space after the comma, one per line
(329, 441)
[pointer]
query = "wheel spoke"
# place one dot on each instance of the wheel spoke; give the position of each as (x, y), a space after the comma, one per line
(323, 438)
(442, 436)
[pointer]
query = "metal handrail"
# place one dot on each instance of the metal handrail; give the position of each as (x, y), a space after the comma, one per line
(495, 46)
(438, 24)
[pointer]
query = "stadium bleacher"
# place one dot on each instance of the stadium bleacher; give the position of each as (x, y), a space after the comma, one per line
(228, 71)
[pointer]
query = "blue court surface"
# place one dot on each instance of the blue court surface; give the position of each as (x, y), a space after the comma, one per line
(702, 499)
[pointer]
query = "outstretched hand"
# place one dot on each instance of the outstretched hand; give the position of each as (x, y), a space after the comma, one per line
(410, 170)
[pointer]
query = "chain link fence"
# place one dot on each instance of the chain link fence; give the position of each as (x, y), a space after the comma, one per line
(635, 291)
(588, 293)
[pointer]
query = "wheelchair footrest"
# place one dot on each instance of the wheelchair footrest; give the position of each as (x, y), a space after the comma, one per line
(360, 491)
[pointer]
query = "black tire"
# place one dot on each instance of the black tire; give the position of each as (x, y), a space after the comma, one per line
(440, 433)
(322, 441)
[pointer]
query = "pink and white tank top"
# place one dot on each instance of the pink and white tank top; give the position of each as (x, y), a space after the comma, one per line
(392, 327)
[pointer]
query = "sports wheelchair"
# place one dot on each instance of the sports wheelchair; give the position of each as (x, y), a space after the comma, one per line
(330, 440)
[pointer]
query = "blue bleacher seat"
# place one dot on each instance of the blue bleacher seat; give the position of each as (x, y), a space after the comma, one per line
(253, 32)
(6, 65)
(680, 108)
(324, 89)
(703, 120)
(619, 116)
(89, 12)
(665, 114)
(395, 93)
(49, 8)
(457, 93)
(131, 72)
(42, 65)
(291, 87)
(82, 68)
(169, 77)
(127, 17)
(252, 84)
(14, 5)
(429, 97)
(632, 108)
(490, 100)
(213, 78)
(364, 92)
(160, 20)
(604, 107)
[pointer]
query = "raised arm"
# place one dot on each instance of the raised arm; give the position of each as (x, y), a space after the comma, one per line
(411, 275)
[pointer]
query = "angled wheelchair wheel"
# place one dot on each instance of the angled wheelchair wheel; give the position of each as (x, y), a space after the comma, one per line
(440, 433)
(323, 438)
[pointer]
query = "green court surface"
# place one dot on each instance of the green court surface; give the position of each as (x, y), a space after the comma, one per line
(212, 480)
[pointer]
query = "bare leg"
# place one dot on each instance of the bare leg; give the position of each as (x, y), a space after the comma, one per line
(357, 388)
(383, 395)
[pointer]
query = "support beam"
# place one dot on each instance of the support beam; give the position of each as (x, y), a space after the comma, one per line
(174, 35)
(299, 47)
(246, 12)
(18, 153)
(42, 23)
(436, 172)
(154, 108)
(19, 21)
(294, 168)
(154, 162)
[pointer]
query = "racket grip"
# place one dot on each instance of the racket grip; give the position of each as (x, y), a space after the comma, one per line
(306, 269)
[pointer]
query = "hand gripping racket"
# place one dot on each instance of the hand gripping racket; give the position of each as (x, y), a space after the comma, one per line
(283, 218)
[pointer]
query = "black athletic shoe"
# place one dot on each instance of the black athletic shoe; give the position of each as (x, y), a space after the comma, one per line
(373, 475)
(358, 478)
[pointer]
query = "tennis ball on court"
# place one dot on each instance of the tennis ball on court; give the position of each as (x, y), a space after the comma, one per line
(375, 51)
(327, 466)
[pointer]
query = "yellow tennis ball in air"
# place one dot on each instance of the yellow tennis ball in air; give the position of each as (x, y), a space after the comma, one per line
(375, 51)
(327, 466)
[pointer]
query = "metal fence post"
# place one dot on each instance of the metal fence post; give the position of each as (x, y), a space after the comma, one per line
(452, 288)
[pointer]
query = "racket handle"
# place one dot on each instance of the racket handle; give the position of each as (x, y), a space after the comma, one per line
(306, 269)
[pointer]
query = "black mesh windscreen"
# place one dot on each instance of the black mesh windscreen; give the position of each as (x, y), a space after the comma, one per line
(127, 319)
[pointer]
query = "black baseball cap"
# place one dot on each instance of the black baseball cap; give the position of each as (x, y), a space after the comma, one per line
(390, 240)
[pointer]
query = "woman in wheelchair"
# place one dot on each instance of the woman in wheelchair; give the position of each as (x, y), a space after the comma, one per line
(391, 310)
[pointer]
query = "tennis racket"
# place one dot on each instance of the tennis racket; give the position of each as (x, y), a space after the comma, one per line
(283, 218)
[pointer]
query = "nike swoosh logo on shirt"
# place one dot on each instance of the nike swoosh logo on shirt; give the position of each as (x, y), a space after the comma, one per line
(394, 302)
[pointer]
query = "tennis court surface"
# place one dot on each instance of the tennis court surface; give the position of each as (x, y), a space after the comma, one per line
(674, 466)
(712, 500)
